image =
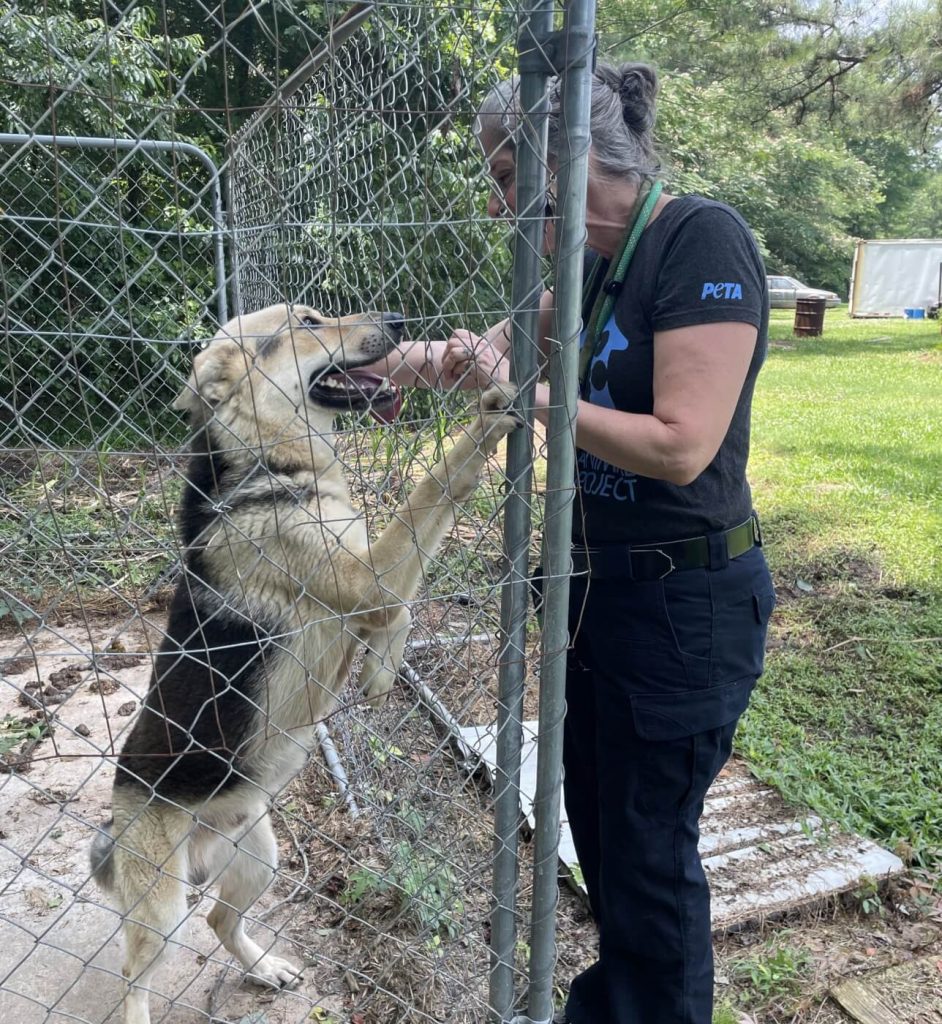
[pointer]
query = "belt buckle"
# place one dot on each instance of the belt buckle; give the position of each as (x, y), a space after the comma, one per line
(670, 563)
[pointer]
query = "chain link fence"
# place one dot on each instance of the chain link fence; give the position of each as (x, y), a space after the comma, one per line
(163, 170)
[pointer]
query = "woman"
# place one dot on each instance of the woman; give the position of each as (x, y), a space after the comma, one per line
(671, 595)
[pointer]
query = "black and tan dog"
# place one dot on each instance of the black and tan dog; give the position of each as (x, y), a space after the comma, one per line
(281, 587)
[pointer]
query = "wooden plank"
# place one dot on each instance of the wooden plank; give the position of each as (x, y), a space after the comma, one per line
(907, 993)
(862, 1003)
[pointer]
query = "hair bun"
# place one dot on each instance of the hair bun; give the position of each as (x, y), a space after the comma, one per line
(637, 89)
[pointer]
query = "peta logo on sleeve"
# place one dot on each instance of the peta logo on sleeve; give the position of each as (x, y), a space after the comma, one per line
(721, 290)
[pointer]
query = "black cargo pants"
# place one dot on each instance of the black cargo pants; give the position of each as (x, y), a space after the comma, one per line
(659, 673)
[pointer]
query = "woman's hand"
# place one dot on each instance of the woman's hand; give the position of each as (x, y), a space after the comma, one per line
(471, 361)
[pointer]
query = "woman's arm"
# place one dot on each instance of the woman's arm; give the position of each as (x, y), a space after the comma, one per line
(413, 364)
(465, 360)
(699, 372)
(471, 360)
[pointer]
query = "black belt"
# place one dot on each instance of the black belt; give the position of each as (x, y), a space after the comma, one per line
(655, 561)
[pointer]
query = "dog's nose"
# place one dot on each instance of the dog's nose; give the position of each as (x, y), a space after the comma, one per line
(395, 323)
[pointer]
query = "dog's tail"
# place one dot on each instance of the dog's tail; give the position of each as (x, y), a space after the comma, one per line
(101, 856)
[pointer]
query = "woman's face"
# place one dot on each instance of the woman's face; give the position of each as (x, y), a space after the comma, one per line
(502, 170)
(502, 202)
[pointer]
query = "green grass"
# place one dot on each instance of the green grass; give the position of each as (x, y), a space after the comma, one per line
(847, 476)
(775, 971)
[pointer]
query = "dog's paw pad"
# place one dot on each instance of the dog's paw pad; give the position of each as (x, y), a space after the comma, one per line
(498, 398)
(377, 698)
(274, 972)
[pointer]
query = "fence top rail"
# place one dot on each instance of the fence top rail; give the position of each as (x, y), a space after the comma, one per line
(104, 142)
(337, 34)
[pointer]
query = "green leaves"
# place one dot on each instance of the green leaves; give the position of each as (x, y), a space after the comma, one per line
(818, 120)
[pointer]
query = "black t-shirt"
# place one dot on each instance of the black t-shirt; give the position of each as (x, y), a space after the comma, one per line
(697, 263)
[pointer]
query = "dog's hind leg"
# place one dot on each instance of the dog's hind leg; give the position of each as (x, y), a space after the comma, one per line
(149, 872)
(247, 869)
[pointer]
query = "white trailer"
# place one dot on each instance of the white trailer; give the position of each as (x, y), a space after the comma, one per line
(893, 274)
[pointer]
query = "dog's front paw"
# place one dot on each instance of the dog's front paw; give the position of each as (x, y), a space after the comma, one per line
(498, 416)
(498, 398)
(274, 972)
(378, 691)
(376, 680)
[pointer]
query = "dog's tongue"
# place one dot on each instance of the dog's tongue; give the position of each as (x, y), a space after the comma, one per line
(384, 410)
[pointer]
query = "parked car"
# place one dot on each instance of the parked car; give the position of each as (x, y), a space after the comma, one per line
(784, 291)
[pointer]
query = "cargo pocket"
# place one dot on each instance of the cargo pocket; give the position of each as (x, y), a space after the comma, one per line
(673, 715)
(763, 604)
(740, 624)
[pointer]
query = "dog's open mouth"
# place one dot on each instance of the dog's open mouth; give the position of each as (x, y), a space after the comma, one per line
(355, 390)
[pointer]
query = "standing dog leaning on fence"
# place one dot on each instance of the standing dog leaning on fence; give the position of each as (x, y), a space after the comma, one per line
(280, 588)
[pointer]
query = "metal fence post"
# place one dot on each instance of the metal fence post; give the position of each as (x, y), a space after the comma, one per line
(578, 30)
(525, 298)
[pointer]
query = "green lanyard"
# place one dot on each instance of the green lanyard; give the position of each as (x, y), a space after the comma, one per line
(605, 300)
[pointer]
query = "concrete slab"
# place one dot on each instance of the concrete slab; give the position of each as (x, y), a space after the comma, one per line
(761, 856)
(60, 955)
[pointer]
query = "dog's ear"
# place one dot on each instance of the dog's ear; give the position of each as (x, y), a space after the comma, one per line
(216, 372)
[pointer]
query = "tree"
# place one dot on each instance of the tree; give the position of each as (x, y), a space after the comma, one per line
(820, 120)
(101, 253)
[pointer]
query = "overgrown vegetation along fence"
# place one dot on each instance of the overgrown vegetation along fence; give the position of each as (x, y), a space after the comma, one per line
(162, 168)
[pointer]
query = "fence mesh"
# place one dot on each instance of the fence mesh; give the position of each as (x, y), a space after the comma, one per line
(353, 183)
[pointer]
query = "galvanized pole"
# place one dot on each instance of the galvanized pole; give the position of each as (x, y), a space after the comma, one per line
(575, 61)
(527, 288)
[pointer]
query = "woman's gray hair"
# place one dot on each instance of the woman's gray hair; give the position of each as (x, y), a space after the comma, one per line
(624, 104)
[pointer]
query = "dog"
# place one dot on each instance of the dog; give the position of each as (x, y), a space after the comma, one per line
(281, 587)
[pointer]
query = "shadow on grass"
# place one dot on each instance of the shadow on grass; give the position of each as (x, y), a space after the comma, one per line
(853, 571)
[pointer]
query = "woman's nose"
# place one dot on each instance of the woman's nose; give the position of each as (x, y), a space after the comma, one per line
(498, 207)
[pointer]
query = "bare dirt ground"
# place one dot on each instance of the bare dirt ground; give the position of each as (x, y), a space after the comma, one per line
(388, 910)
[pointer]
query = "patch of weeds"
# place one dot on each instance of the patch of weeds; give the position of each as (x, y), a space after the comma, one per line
(14, 731)
(725, 1014)
(420, 879)
(15, 609)
(108, 524)
(322, 1016)
(869, 899)
(773, 973)
(382, 751)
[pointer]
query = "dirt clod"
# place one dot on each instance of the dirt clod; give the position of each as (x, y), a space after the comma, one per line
(104, 686)
(16, 666)
(65, 678)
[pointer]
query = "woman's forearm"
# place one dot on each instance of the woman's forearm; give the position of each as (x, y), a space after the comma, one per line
(414, 364)
(422, 364)
(639, 443)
